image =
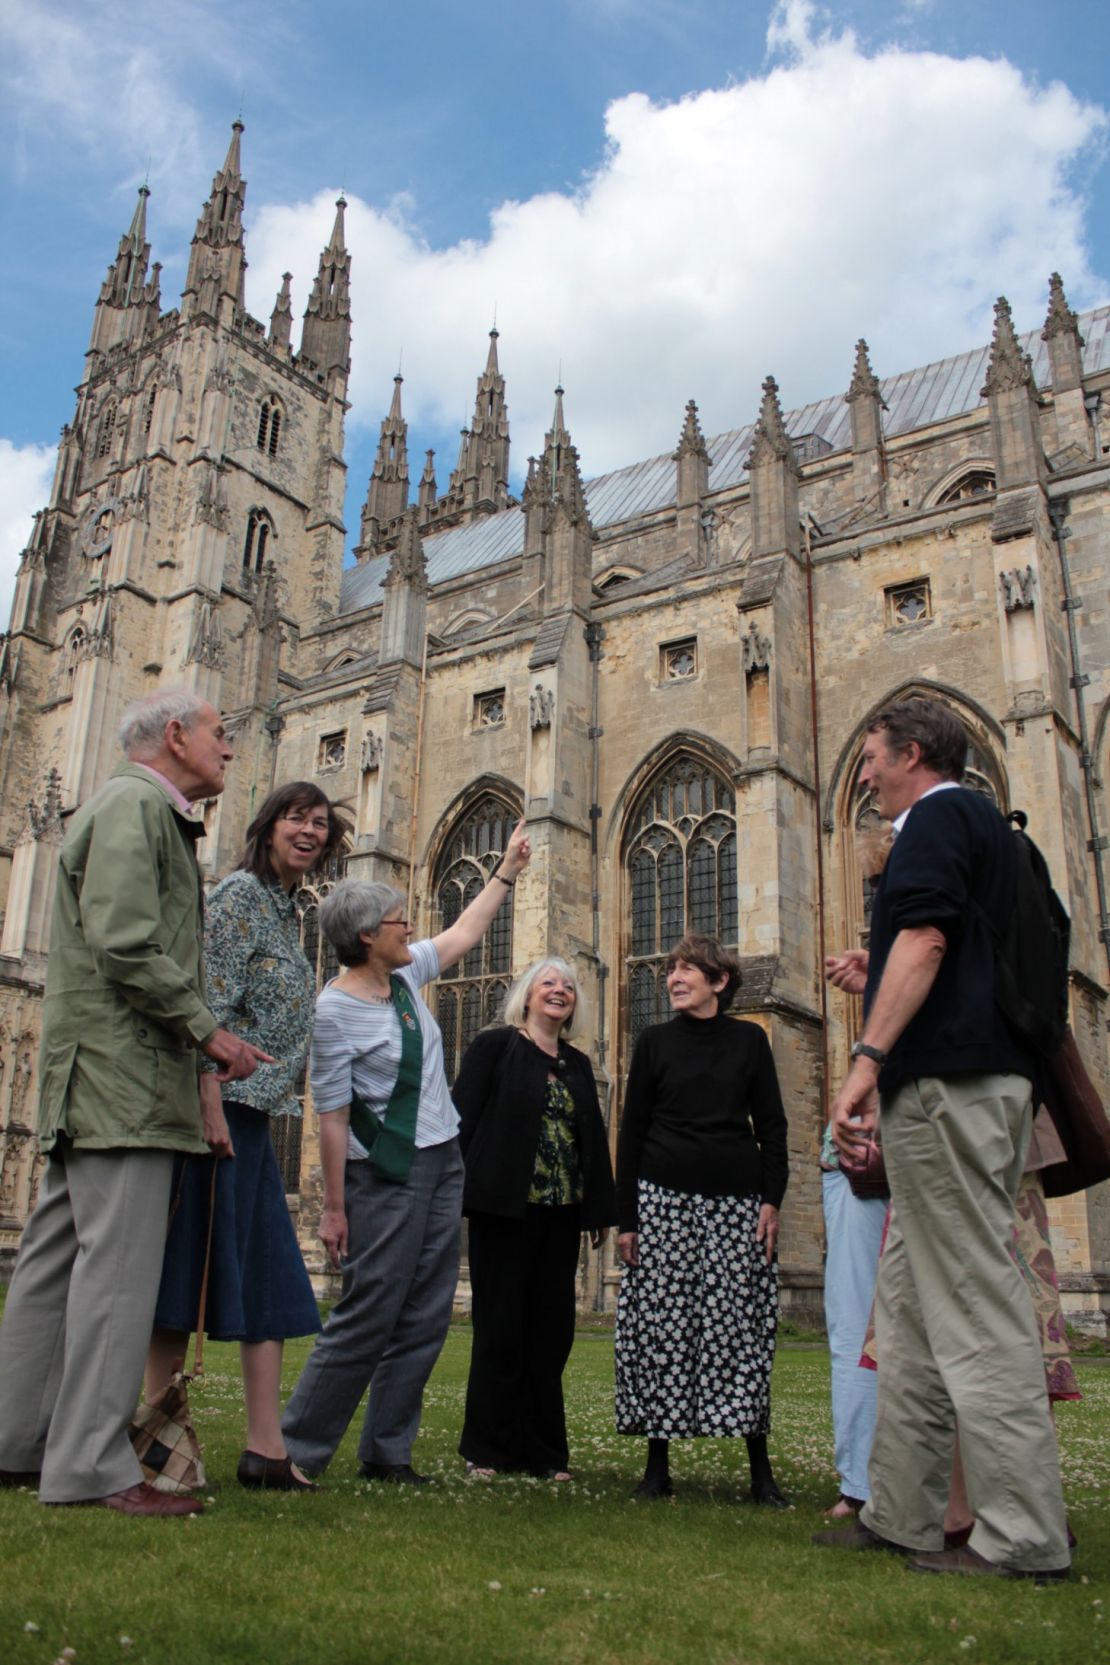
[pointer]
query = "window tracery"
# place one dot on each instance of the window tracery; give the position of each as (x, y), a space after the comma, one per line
(469, 994)
(681, 875)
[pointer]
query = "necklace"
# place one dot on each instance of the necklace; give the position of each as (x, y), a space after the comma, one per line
(538, 1045)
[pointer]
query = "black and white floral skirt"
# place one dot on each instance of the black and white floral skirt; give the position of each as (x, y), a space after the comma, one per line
(696, 1320)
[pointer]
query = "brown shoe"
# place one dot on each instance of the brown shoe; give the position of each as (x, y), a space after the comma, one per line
(10, 1478)
(144, 1500)
(970, 1564)
(856, 1536)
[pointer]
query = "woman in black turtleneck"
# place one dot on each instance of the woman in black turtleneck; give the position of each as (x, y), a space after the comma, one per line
(701, 1172)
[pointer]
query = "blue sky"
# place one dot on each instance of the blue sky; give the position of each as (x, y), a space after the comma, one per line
(663, 199)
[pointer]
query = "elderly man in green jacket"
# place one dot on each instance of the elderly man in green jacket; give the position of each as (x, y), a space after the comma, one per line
(124, 1019)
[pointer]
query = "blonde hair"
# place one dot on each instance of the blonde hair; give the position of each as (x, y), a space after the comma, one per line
(515, 1009)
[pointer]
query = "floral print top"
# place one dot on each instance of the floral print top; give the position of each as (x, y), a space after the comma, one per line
(557, 1176)
(260, 985)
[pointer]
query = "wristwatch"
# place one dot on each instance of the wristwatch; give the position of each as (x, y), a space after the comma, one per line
(862, 1050)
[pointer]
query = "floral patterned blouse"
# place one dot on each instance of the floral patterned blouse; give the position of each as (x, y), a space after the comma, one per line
(260, 985)
(557, 1176)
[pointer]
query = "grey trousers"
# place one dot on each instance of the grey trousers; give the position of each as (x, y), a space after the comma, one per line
(78, 1319)
(390, 1323)
(955, 1332)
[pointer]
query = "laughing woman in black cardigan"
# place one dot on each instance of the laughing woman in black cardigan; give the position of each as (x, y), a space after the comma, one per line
(701, 1171)
(538, 1175)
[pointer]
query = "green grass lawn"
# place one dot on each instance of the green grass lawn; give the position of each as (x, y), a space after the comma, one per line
(524, 1572)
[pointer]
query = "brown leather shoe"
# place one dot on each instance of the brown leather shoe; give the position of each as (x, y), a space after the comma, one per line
(144, 1500)
(12, 1477)
(856, 1536)
(969, 1563)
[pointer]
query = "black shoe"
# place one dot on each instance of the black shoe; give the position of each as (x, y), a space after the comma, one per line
(767, 1495)
(394, 1474)
(270, 1474)
(654, 1486)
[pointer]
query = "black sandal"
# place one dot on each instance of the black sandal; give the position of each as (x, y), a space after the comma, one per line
(271, 1474)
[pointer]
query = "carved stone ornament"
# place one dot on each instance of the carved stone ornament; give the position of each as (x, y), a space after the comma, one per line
(541, 707)
(44, 821)
(95, 535)
(1017, 586)
(371, 756)
(756, 650)
(206, 641)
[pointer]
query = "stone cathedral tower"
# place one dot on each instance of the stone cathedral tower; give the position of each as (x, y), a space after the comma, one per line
(194, 528)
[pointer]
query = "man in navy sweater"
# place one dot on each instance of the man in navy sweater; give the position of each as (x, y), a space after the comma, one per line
(956, 1336)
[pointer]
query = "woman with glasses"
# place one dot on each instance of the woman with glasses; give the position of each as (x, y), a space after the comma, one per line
(261, 984)
(392, 1171)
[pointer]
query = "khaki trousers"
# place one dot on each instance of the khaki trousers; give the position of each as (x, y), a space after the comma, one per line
(78, 1319)
(955, 1332)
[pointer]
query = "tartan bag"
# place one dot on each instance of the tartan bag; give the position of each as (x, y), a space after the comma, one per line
(161, 1430)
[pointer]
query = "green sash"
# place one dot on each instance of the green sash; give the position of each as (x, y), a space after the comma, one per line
(391, 1142)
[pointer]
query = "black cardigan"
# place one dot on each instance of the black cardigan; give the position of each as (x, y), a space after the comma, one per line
(501, 1094)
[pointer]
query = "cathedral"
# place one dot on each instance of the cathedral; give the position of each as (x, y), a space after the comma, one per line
(667, 670)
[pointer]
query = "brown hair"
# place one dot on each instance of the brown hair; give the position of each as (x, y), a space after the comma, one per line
(936, 729)
(297, 794)
(714, 961)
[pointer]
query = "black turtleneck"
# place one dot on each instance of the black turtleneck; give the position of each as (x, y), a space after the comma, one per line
(702, 1112)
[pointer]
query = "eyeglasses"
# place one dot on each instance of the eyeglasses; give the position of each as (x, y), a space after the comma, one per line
(314, 823)
(403, 923)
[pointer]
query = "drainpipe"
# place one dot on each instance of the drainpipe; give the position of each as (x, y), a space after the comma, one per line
(595, 635)
(821, 984)
(1096, 844)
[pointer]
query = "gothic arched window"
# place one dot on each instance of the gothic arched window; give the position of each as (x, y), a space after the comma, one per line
(105, 430)
(470, 993)
(270, 418)
(680, 866)
(148, 408)
(977, 482)
(260, 529)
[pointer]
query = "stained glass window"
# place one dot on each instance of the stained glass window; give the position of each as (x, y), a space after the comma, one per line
(680, 857)
(470, 993)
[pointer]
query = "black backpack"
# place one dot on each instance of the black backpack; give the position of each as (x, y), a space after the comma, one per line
(1031, 953)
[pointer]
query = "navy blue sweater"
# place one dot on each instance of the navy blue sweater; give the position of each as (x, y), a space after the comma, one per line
(953, 846)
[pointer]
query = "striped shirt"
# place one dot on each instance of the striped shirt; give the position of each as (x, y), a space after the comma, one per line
(356, 1044)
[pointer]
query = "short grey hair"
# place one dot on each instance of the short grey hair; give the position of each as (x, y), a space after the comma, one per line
(142, 732)
(515, 1009)
(354, 906)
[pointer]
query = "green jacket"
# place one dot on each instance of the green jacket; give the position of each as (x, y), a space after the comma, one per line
(124, 1010)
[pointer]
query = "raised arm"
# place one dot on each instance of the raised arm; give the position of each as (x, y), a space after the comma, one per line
(475, 920)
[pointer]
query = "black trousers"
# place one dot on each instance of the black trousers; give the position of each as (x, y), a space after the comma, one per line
(522, 1276)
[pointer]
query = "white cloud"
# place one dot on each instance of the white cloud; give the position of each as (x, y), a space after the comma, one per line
(759, 227)
(25, 475)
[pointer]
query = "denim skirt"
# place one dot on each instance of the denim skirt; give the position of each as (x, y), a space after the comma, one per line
(258, 1289)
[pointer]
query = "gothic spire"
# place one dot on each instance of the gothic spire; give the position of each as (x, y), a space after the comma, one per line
(691, 441)
(864, 383)
(1061, 320)
(281, 318)
(125, 284)
(326, 337)
(388, 493)
(486, 477)
(770, 441)
(561, 475)
(427, 492)
(1065, 348)
(1008, 367)
(217, 261)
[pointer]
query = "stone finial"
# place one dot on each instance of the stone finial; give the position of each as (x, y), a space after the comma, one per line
(1009, 367)
(408, 564)
(864, 383)
(691, 441)
(771, 443)
(281, 318)
(326, 336)
(1061, 320)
